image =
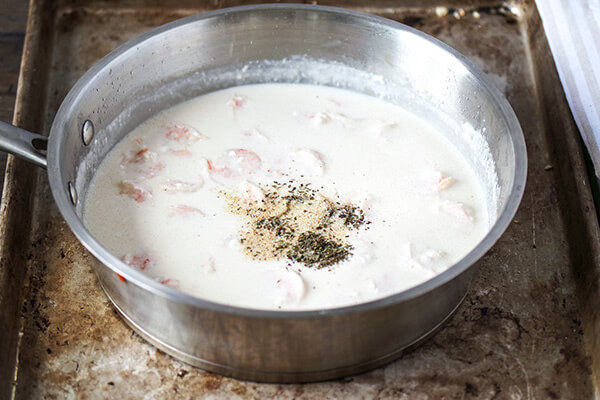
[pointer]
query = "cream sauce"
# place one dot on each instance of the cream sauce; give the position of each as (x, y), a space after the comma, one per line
(160, 198)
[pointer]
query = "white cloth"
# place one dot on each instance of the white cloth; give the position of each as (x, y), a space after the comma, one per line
(573, 31)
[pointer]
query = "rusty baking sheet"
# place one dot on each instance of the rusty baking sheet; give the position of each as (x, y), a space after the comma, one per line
(529, 327)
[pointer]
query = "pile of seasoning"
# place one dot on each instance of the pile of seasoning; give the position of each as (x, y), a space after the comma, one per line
(297, 223)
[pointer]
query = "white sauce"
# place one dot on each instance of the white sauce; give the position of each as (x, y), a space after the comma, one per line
(163, 210)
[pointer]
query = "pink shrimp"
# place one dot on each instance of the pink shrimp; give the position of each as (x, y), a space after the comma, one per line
(237, 101)
(321, 118)
(138, 262)
(458, 210)
(432, 181)
(308, 161)
(183, 209)
(256, 134)
(234, 163)
(177, 186)
(153, 170)
(443, 182)
(138, 156)
(180, 131)
(221, 171)
(418, 257)
(182, 153)
(172, 283)
(142, 155)
(251, 193)
(286, 286)
(134, 191)
(244, 160)
(144, 163)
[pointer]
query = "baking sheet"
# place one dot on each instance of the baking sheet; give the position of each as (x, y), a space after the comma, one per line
(527, 329)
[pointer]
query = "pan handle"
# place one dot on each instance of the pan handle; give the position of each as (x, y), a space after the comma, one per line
(27, 145)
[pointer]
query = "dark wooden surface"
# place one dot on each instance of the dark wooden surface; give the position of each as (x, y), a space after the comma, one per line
(13, 19)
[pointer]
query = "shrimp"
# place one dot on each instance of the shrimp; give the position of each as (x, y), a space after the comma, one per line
(237, 101)
(322, 118)
(458, 210)
(251, 193)
(218, 171)
(182, 153)
(183, 209)
(363, 252)
(434, 181)
(285, 286)
(443, 182)
(319, 118)
(134, 191)
(256, 134)
(172, 283)
(139, 156)
(138, 262)
(234, 163)
(244, 161)
(181, 132)
(308, 161)
(382, 128)
(144, 163)
(177, 186)
(423, 258)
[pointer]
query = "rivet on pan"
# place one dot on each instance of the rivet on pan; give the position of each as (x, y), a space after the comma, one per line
(87, 132)
(72, 193)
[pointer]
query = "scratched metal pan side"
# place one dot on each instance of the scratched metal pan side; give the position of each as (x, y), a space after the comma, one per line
(527, 329)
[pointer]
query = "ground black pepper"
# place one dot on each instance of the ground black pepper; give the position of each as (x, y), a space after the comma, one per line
(297, 223)
(315, 250)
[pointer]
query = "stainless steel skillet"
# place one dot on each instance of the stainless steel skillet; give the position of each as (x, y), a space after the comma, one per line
(284, 43)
